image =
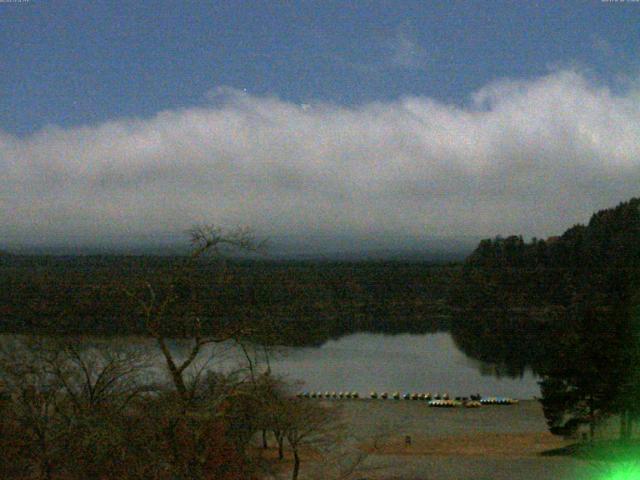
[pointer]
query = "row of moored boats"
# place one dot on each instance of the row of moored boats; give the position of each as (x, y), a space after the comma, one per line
(435, 400)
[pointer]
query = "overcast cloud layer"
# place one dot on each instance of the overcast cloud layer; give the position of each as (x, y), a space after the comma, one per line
(529, 157)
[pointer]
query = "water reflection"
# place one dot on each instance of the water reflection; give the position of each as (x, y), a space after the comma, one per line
(404, 362)
(362, 362)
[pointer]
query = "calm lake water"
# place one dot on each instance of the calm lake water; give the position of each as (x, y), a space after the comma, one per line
(361, 362)
(364, 362)
(404, 362)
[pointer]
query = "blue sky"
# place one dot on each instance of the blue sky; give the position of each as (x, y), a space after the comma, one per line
(75, 63)
(346, 125)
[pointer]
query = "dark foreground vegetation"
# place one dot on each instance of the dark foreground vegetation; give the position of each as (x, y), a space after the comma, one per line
(74, 408)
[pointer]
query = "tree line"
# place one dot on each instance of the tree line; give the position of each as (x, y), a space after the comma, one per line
(574, 299)
(311, 301)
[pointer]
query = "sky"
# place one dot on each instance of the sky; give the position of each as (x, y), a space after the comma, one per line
(331, 125)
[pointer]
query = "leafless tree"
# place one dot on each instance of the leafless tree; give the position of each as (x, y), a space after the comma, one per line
(347, 457)
(64, 405)
(200, 402)
(95, 375)
(206, 240)
(309, 425)
(37, 403)
(215, 240)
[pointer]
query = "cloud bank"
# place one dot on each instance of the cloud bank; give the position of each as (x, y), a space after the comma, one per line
(530, 157)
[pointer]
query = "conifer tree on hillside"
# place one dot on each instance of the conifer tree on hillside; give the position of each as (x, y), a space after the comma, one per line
(591, 275)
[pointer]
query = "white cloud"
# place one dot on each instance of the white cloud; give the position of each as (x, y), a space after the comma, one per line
(529, 157)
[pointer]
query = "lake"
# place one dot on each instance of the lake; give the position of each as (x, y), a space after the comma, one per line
(403, 362)
(361, 362)
(364, 362)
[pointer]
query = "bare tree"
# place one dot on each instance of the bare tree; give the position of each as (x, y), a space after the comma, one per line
(257, 351)
(95, 375)
(187, 424)
(206, 240)
(213, 239)
(309, 425)
(273, 408)
(65, 406)
(37, 404)
(347, 457)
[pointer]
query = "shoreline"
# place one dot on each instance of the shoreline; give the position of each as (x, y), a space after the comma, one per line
(491, 442)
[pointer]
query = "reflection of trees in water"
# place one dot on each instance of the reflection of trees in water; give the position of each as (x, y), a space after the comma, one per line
(317, 330)
(503, 347)
(501, 351)
(497, 347)
(500, 370)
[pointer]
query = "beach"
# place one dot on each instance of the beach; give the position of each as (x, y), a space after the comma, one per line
(487, 443)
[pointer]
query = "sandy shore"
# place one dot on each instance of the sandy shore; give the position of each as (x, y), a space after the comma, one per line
(489, 443)
(483, 445)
